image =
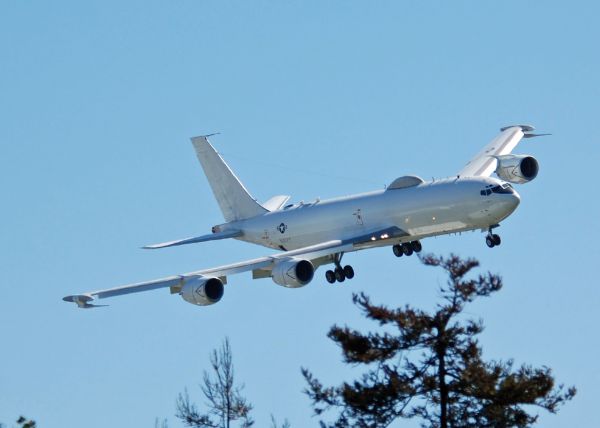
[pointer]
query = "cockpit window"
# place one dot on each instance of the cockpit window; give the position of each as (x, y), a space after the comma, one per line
(504, 188)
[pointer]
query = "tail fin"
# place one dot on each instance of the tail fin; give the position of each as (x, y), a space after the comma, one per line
(233, 198)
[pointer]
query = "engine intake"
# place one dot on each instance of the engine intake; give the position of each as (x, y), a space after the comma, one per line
(293, 273)
(202, 291)
(517, 168)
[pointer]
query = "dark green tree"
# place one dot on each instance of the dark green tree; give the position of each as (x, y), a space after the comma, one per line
(224, 401)
(429, 366)
(23, 422)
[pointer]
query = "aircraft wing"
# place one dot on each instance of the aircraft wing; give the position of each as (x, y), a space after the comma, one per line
(484, 163)
(313, 252)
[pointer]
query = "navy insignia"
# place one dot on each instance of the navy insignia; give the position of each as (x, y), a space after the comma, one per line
(282, 227)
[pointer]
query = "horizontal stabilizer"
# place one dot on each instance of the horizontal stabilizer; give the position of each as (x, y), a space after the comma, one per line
(276, 202)
(192, 240)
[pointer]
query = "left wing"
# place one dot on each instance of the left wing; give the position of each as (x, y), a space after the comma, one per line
(313, 252)
(484, 163)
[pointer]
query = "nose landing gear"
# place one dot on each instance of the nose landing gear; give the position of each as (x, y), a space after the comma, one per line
(492, 240)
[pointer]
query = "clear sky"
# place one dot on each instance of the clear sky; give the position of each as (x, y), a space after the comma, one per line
(98, 100)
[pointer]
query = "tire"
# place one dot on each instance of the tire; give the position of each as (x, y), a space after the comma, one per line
(339, 275)
(348, 272)
(397, 249)
(407, 249)
(330, 276)
(489, 241)
(416, 246)
(496, 239)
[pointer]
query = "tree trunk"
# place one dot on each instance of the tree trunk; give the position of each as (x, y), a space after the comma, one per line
(443, 390)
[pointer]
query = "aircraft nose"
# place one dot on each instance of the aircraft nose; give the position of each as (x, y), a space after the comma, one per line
(513, 200)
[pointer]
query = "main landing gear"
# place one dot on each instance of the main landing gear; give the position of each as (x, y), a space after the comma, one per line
(492, 240)
(407, 249)
(339, 274)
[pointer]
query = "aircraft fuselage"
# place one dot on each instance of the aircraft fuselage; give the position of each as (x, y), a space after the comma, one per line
(431, 208)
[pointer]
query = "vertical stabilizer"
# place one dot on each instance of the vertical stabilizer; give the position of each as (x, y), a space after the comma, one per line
(233, 198)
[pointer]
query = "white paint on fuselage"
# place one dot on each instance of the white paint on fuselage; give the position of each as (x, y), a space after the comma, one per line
(432, 208)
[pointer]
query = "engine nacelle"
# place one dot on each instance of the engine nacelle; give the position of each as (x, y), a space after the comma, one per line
(517, 168)
(293, 273)
(202, 291)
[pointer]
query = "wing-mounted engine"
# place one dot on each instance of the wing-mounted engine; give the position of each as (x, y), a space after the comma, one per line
(202, 291)
(517, 168)
(293, 273)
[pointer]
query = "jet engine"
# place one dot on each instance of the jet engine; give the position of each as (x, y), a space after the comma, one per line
(202, 291)
(517, 168)
(293, 273)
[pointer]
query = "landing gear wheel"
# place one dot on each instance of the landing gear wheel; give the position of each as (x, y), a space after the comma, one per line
(496, 239)
(330, 276)
(339, 275)
(397, 249)
(407, 249)
(416, 246)
(489, 240)
(348, 272)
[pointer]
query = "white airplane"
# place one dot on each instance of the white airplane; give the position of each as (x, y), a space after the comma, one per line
(321, 232)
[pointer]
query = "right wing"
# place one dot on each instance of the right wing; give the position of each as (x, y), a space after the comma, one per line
(320, 253)
(176, 281)
(484, 163)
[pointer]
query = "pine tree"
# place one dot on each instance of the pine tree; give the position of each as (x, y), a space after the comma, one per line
(430, 366)
(224, 400)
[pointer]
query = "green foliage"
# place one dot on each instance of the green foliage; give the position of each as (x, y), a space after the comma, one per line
(431, 367)
(23, 422)
(225, 402)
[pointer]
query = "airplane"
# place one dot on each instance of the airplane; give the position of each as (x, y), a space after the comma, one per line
(318, 233)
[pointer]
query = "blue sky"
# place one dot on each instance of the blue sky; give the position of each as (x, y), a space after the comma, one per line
(98, 100)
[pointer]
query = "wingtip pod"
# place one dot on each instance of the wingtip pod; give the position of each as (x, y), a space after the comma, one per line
(524, 128)
(82, 301)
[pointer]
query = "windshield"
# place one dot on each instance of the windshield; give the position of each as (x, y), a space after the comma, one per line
(504, 188)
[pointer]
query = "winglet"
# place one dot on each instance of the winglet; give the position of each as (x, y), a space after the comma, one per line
(82, 300)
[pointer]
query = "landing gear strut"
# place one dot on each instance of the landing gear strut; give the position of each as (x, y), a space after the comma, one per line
(407, 249)
(339, 274)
